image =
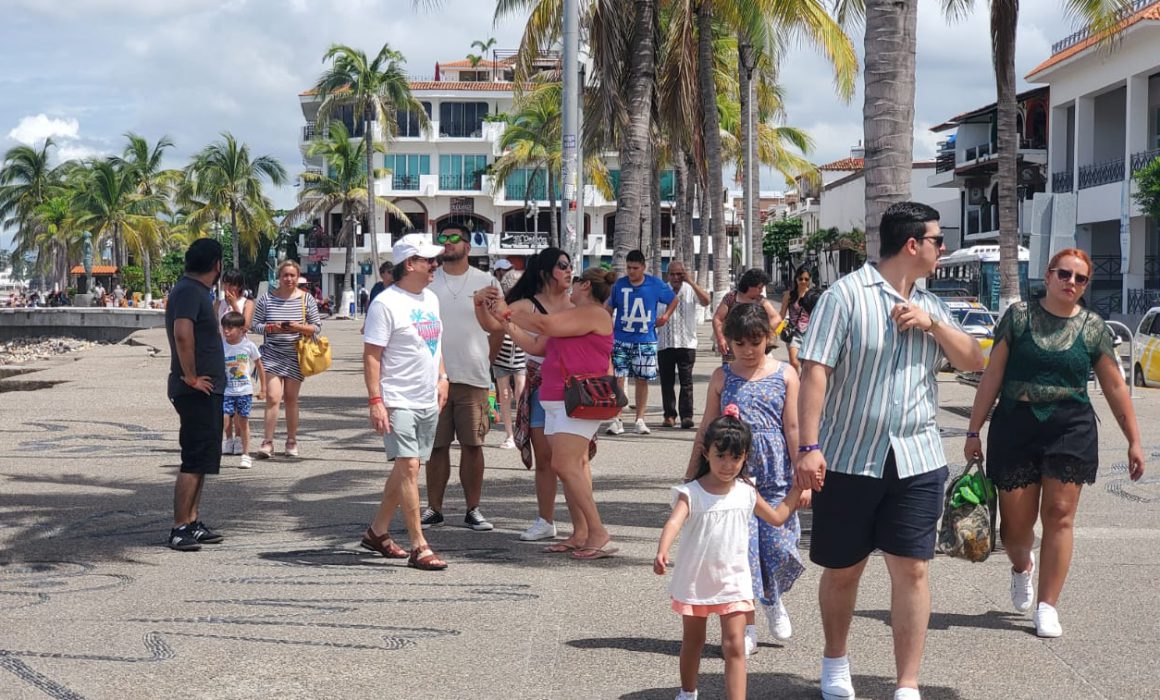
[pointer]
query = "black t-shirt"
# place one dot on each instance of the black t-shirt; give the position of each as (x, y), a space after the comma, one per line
(191, 299)
(376, 290)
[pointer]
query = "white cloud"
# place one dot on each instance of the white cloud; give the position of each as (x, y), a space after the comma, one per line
(72, 150)
(35, 129)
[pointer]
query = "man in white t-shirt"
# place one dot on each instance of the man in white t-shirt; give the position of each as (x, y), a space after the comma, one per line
(677, 346)
(468, 361)
(406, 386)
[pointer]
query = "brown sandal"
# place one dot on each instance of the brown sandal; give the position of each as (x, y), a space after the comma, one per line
(431, 562)
(383, 544)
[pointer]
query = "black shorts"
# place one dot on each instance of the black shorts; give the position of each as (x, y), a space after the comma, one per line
(854, 515)
(201, 432)
(1022, 450)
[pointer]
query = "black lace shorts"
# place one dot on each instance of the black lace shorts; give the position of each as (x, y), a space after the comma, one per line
(1022, 450)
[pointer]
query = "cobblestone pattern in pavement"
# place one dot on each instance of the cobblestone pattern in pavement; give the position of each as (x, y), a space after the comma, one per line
(95, 607)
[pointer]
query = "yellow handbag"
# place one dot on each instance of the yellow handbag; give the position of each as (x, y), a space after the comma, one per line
(313, 351)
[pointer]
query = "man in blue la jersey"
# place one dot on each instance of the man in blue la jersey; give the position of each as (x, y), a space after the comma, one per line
(634, 302)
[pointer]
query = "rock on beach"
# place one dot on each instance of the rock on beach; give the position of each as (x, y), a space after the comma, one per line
(22, 350)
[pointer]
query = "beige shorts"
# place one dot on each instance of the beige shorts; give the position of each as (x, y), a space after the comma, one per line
(464, 417)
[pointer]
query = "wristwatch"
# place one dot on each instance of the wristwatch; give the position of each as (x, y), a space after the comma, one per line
(934, 324)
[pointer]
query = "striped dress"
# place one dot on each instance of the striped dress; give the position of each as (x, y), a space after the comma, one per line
(511, 357)
(280, 350)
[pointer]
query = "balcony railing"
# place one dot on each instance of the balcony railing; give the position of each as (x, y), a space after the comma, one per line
(1063, 181)
(1087, 33)
(1142, 159)
(313, 130)
(405, 182)
(461, 181)
(1140, 300)
(1108, 302)
(944, 162)
(1152, 271)
(1098, 174)
(1105, 267)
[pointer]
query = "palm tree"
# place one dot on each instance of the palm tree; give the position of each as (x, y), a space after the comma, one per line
(26, 181)
(483, 47)
(375, 90)
(341, 184)
(56, 235)
(228, 179)
(1102, 15)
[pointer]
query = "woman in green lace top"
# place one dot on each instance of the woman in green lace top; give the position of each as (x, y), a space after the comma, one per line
(1043, 444)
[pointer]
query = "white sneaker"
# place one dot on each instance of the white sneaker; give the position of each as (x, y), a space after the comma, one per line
(686, 695)
(247, 462)
(508, 444)
(836, 683)
(227, 446)
(642, 427)
(615, 427)
(907, 694)
(750, 640)
(778, 618)
(540, 530)
(1047, 621)
(1022, 589)
(238, 446)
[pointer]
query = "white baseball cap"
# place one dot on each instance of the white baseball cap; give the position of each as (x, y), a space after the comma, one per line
(503, 264)
(415, 245)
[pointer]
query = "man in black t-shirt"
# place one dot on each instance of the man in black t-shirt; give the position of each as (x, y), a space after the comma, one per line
(197, 379)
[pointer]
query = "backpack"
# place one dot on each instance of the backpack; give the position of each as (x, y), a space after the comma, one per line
(968, 530)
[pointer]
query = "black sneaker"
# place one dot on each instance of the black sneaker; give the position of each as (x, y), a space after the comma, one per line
(475, 520)
(205, 535)
(687, 423)
(430, 518)
(183, 540)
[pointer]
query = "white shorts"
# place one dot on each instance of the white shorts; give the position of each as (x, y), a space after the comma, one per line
(557, 420)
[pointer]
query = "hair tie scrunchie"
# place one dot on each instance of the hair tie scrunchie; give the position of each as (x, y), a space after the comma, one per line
(732, 411)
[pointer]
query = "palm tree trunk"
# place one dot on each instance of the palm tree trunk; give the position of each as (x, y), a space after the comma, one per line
(553, 222)
(888, 109)
(749, 187)
(348, 271)
(703, 264)
(654, 221)
(147, 264)
(711, 124)
(680, 204)
(634, 165)
(1004, 16)
(369, 143)
(235, 242)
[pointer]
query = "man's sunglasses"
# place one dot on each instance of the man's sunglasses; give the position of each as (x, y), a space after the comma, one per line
(937, 240)
(449, 238)
(1066, 275)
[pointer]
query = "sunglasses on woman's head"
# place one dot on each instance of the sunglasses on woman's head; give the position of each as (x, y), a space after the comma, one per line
(449, 238)
(1066, 275)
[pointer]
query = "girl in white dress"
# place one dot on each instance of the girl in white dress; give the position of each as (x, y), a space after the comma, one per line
(711, 575)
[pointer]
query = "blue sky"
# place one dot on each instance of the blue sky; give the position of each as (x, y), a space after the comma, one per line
(87, 71)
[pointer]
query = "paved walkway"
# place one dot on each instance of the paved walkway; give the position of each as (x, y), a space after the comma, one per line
(94, 606)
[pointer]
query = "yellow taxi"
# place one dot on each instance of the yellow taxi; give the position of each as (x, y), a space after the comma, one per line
(1146, 358)
(976, 320)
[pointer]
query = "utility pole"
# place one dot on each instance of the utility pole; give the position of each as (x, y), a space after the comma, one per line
(748, 58)
(573, 234)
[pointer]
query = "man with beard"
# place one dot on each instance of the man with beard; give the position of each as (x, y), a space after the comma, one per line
(468, 363)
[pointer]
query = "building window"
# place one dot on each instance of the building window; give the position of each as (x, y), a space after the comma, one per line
(528, 185)
(461, 172)
(406, 169)
(408, 122)
(462, 119)
(398, 228)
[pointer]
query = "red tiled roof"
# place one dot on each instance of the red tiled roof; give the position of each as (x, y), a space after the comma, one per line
(466, 85)
(843, 164)
(1150, 13)
(97, 270)
(466, 63)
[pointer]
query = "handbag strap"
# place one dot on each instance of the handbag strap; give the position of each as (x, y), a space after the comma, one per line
(304, 308)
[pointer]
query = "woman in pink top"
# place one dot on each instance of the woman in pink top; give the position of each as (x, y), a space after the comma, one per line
(574, 341)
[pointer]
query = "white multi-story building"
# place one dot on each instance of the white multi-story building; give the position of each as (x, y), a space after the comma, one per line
(442, 174)
(1105, 117)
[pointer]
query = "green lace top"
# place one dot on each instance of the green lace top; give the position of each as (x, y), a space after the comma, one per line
(1050, 357)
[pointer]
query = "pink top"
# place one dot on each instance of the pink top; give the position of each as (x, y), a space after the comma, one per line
(585, 354)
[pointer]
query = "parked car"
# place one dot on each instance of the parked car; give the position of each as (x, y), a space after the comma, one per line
(1146, 359)
(976, 320)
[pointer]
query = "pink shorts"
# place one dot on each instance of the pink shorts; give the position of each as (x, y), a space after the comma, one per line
(737, 606)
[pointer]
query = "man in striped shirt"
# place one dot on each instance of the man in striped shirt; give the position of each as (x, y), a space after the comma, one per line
(869, 444)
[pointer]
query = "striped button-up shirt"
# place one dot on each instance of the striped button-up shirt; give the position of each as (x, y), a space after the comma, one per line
(883, 392)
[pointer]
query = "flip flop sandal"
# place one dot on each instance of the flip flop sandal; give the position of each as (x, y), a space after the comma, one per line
(383, 544)
(431, 562)
(266, 449)
(593, 553)
(559, 548)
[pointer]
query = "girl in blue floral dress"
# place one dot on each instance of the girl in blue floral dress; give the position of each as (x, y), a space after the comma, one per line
(766, 392)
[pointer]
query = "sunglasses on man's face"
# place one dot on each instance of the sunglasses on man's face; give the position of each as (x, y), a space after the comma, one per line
(1066, 275)
(937, 240)
(449, 238)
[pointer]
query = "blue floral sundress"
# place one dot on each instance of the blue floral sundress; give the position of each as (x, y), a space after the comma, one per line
(773, 551)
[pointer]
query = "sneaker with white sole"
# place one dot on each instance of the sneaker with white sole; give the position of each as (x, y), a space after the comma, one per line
(779, 624)
(509, 444)
(475, 520)
(750, 640)
(836, 683)
(686, 695)
(907, 694)
(246, 463)
(227, 446)
(539, 530)
(237, 447)
(615, 427)
(642, 427)
(1022, 588)
(183, 539)
(430, 518)
(1047, 621)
